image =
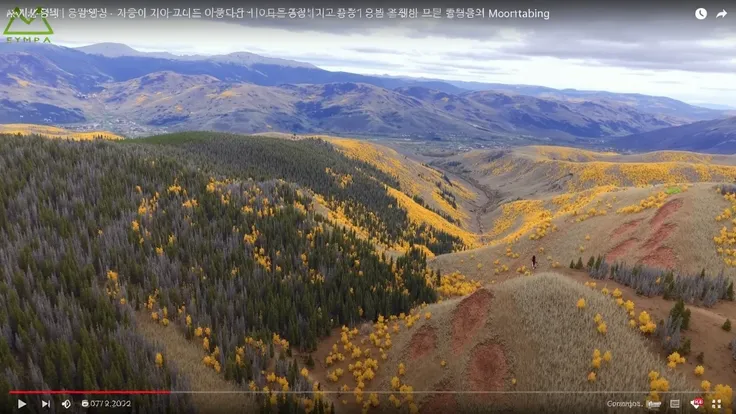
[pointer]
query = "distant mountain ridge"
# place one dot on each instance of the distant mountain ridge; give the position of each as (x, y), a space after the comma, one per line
(715, 136)
(645, 103)
(243, 92)
(242, 58)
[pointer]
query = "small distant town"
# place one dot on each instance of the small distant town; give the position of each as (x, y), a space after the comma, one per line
(124, 127)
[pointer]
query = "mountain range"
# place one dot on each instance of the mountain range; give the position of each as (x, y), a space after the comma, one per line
(716, 136)
(248, 93)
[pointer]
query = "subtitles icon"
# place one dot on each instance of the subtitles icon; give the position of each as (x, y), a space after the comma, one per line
(674, 403)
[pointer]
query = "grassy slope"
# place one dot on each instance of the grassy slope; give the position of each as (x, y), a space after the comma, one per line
(54, 132)
(536, 354)
(705, 329)
(187, 355)
(562, 339)
(690, 236)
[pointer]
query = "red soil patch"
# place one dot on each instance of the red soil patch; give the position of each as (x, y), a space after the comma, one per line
(629, 225)
(662, 257)
(621, 249)
(423, 342)
(660, 236)
(441, 402)
(487, 368)
(664, 212)
(469, 317)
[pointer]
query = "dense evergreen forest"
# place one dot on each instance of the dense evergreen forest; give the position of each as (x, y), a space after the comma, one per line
(355, 188)
(91, 232)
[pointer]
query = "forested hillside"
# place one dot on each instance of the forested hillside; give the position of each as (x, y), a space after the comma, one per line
(93, 231)
(351, 187)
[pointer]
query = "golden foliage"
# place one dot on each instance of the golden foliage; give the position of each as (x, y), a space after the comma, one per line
(55, 132)
(412, 176)
(454, 284)
(419, 214)
(653, 201)
(726, 238)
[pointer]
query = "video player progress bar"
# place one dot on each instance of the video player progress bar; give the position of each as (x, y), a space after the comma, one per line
(168, 392)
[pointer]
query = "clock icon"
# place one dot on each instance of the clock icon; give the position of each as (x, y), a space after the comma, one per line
(701, 13)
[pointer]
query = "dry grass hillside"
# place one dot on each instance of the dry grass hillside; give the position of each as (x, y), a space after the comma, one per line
(462, 354)
(673, 227)
(542, 170)
(55, 132)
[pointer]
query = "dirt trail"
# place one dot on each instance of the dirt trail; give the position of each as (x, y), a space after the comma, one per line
(187, 357)
(705, 331)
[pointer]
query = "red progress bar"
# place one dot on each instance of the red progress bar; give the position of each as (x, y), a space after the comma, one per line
(96, 392)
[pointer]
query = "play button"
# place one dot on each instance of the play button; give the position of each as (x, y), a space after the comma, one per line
(21, 404)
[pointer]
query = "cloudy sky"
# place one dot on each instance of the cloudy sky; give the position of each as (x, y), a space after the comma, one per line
(655, 52)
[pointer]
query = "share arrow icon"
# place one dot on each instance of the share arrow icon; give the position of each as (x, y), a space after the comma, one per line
(721, 14)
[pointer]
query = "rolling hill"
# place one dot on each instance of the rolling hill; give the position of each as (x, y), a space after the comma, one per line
(116, 87)
(716, 136)
(53, 132)
(181, 102)
(340, 270)
(115, 50)
(644, 103)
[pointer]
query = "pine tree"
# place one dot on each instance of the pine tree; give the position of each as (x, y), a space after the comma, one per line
(579, 264)
(572, 264)
(679, 311)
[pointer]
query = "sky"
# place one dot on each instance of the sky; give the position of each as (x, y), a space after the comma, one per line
(654, 53)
